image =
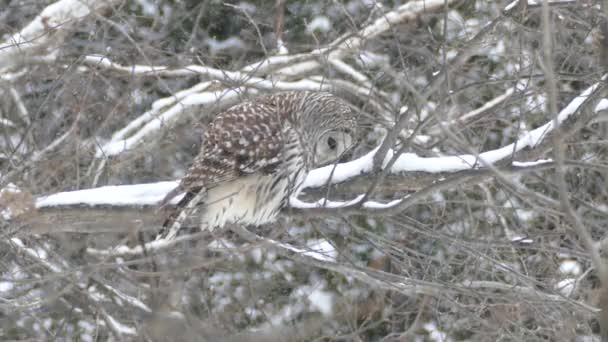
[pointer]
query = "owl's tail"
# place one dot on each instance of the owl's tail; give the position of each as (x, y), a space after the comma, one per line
(184, 208)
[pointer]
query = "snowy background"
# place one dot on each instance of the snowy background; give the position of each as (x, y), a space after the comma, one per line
(474, 209)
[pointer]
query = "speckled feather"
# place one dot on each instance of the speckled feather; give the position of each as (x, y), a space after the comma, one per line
(243, 140)
(261, 150)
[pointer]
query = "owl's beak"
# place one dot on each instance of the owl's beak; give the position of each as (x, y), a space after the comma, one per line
(346, 155)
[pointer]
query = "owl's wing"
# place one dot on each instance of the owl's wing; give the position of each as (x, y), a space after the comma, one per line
(245, 139)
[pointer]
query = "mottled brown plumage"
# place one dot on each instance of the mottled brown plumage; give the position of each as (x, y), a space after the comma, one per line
(257, 154)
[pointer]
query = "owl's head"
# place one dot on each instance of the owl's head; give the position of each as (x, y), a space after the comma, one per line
(332, 146)
(333, 125)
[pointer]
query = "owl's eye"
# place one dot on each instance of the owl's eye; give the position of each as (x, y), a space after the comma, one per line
(332, 143)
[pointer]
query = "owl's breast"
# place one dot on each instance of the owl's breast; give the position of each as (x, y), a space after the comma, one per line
(257, 198)
(251, 200)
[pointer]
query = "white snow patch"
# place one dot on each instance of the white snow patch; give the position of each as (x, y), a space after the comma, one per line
(137, 96)
(320, 23)
(472, 26)
(220, 278)
(539, 2)
(435, 334)
(322, 203)
(232, 43)
(281, 47)
(511, 5)
(297, 231)
(601, 105)
(286, 314)
(94, 294)
(247, 7)
(521, 239)
(570, 267)
(451, 54)
(323, 253)
(497, 52)
(10, 187)
(323, 247)
(525, 215)
(256, 255)
(370, 59)
(147, 7)
(566, 287)
(253, 313)
(42, 254)
(318, 177)
(6, 286)
(322, 301)
(142, 194)
(7, 123)
(532, 163)
(117, 326)
(422, 139)
(6, 212)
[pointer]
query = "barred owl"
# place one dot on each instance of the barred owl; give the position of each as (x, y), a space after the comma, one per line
(257, 154)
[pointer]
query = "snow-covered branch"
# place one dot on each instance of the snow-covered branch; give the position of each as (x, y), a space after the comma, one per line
(54, 19)
(148, 195)
(140, 195)
(167, 110)
(410, 162)
(158, 117)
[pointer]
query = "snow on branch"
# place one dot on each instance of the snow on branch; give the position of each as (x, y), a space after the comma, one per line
(252, 76)
(37, 34)
(103, 62)
(153, 120)
(342, 47)
(410, 162)
(139, 194)
(117, 209)
(166, 110)
(150, 194)
(514, 3)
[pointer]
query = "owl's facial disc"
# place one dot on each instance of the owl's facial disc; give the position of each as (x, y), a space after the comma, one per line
(332, 146)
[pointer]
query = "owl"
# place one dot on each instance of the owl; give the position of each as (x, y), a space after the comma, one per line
(255, 155)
